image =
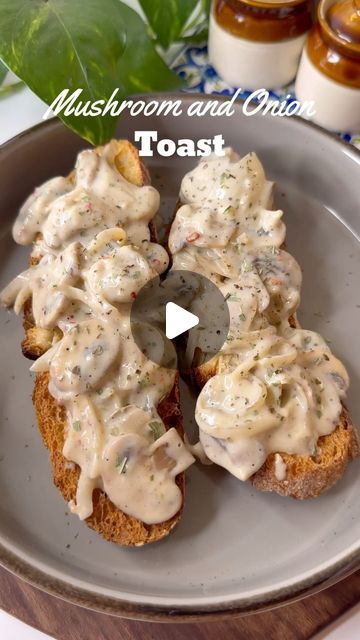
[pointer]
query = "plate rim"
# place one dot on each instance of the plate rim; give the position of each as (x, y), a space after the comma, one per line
(166, 613)
(52, 585)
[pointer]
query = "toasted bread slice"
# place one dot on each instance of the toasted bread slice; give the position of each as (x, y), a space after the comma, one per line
(112, 523)
(306, 476)
(309, 476)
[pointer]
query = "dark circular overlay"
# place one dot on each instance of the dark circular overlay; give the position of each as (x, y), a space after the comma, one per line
(193, 292)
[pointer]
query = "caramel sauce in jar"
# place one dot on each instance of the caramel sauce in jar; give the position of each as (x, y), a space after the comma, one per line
(334, 42)
(271, 21)
(329, 71)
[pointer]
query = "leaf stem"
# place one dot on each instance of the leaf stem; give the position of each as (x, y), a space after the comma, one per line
(11, 88)
(195, 21)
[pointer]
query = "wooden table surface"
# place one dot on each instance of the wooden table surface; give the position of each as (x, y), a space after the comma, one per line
(297, 621)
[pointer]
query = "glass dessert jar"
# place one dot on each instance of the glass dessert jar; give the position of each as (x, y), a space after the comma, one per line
(329, 72)
(257, 43)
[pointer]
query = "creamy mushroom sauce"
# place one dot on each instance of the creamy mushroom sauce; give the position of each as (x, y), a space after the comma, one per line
(92, 241)
(276, 388)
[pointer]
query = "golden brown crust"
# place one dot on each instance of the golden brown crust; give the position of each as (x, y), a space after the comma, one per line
(309, 476)
(112, 523)
(129, 164)
(36, 340)
(200, 375)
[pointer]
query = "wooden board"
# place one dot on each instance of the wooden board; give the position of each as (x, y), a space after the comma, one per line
(297, 621)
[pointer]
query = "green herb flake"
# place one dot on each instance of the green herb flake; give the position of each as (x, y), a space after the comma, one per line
(156, 428)
(274, 251)
(76, 425)
(121, 464)
(246, 267)
(318, 413)
(144, 382)
(98, 350)
(242, 317)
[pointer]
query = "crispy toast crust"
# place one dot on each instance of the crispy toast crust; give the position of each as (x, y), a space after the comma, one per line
(306, 476)
(309, 476)
(112, 523)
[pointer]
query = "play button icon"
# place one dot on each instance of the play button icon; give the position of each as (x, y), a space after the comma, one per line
(178, 320)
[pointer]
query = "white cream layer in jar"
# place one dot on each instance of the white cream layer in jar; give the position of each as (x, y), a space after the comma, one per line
(253, 65)
(337, 106)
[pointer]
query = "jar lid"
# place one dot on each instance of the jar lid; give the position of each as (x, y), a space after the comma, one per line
(340, 21)
(269, 4)
(344, 20)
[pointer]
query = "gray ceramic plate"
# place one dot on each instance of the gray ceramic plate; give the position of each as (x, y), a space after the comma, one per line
(235, 550)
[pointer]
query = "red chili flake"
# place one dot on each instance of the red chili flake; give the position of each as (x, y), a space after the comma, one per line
(133, 295)
(193, 236)
(156, 262)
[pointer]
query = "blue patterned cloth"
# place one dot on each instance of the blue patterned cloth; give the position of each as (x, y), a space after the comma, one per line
(193, 65)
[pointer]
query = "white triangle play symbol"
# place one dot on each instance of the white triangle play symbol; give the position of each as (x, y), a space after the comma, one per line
(178, 320)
